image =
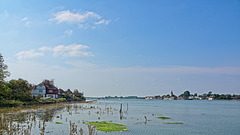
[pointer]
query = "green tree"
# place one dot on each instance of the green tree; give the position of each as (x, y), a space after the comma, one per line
(209, 93)
(228, 97)
(186, 93)
(20, 90)
(4, 91)
(3, 69)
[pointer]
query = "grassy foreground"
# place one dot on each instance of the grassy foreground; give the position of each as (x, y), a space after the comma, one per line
(107, 126)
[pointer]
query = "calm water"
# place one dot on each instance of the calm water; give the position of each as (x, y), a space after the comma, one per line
(198, 117)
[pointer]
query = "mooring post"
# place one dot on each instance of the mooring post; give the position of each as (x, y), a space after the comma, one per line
(120, 108)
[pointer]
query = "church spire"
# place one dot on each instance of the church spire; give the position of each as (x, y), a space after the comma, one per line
(171, 94)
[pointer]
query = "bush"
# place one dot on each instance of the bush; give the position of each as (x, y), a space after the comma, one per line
(10, 103)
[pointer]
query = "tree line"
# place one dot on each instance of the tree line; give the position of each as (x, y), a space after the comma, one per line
(187, 94)
(13, 90)
(17, 92)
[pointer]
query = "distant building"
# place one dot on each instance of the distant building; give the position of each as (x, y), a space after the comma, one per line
(193, 97)
(211, 98)
(48, 89)
(68, 92)
(51, 90)
(166, 97)
(45, 89)
(172, 96)
(78, 94)
(39, 90)
(148, 97)
(61, 92)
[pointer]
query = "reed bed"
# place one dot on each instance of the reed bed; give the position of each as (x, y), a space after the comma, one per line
(34, 119)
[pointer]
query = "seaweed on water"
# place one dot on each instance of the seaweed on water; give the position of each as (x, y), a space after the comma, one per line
(107, 126)
(163, 118)
(174, 123)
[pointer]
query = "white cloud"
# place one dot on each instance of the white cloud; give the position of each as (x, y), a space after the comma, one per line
(103, 21)
(29, 54)
(69, 17)
(25, 18)
(73, 50)
(45, 48)
(68, 32)
(83, 19)
(26, 21)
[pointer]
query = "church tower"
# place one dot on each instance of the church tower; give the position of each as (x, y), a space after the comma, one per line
(171, 94)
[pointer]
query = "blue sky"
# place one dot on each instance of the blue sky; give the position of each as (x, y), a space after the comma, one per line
(110, 47)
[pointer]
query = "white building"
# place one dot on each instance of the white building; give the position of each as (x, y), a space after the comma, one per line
(40, 90)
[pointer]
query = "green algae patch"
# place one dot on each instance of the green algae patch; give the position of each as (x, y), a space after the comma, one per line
(163, 118)
(58, 123)
(174, 123)
(107, 126)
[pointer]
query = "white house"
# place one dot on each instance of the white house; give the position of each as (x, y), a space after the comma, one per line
(46, 89)
(39, 90)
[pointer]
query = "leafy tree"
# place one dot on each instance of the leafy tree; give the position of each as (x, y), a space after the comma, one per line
(209, 93)
(4, 91)
(217, 96)
(3, 69)
(186, 93)
(20, 90)
(228, 97)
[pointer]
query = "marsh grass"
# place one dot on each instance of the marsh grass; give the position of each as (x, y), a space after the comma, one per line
(27, 120)
(21, 120)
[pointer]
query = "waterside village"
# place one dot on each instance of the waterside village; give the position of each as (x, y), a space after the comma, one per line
(47, 89)
(185, 96)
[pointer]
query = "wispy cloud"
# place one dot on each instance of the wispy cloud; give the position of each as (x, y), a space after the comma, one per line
(68, 32)
(29, 54)
(73, 50)
(26, 21)
(103, 21)
(83, 19)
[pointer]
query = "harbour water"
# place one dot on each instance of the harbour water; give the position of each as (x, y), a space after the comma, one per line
(198, 117)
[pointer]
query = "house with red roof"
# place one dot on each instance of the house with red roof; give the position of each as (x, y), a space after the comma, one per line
(46, 89)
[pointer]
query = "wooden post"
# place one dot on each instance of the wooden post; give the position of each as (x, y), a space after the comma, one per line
(120, 108)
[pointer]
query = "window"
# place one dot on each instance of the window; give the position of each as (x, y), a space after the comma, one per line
(40, 90)
(50, 91)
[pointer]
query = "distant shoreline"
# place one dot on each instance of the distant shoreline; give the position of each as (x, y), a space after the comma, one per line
(141, 98)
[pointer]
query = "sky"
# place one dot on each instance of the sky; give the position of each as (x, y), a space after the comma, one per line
(122, 47)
